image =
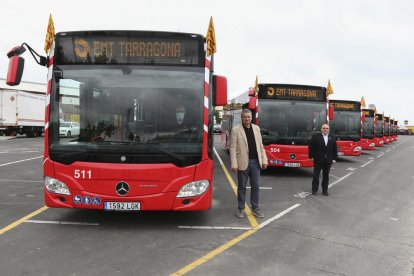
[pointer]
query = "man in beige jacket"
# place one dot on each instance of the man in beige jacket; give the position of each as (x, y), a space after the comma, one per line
(248, 157)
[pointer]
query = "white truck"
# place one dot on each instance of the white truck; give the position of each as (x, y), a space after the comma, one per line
(22, 109)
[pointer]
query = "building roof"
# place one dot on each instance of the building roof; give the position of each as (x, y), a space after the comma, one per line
(25, 86)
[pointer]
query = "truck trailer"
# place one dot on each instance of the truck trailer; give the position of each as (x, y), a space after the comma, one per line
(22, 109)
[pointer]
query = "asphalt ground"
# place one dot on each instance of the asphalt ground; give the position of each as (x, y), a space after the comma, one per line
(364, 227)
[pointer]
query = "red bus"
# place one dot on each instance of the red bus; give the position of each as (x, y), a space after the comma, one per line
(144, 103)
(387, 139)
(347, 126)
(368, 130)
(391, 130)
(287, 114)
(395, 130)
(379, 130)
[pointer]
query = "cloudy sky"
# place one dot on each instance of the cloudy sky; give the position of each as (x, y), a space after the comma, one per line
(366, 48)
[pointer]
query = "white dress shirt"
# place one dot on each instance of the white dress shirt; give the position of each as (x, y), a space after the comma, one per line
(325, 138)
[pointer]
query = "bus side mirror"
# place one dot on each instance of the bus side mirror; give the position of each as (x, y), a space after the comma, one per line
(219, 90)
(331, 112)
(15, 71)
(252, 103)
(16, 51)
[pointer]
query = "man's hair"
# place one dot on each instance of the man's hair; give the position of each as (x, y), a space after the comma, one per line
(244, 111)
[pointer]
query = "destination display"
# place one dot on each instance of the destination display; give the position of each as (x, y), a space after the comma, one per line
(131, 50)
(368, 112)
(378, 117)
(387, 119)
(345, 105)
(292, 92)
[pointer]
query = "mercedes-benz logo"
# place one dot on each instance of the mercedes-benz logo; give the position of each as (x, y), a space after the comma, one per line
(122, 188)
(338, 147)
(292, 156)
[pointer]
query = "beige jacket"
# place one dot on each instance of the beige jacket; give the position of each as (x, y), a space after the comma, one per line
(239, 149)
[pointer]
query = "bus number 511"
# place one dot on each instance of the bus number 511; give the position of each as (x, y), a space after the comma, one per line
(83, 174)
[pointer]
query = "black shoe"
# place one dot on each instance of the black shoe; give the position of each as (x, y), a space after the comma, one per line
(325, 193)
(314, 193)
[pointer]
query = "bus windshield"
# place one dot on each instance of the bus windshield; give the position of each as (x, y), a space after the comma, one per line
(290, 122)
(346, 125)
(379, 128)
(368, 128)
(387, 129)
(127, 114)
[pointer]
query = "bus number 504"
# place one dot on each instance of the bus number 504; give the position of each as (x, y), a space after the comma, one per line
(83, 174)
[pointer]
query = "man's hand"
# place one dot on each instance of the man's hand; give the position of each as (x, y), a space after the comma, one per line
(234, 169)
(334, 161)
(264, 166)
(311, 159)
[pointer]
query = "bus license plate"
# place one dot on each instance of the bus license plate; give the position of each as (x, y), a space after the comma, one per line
(292, 164)
(122, 206)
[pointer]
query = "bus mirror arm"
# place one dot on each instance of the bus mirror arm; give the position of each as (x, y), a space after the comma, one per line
(16, 63)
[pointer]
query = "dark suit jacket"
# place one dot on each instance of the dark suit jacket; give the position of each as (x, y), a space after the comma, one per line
(319, 151)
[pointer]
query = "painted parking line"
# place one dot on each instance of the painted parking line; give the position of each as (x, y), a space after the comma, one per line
(339, 180)
(214, 227)
(25, 181)
(261, 188)
(252, 220)
(380, 155)
(14, 162)
(23, 219)
(61, 222)
(366, 163)
(229, 244)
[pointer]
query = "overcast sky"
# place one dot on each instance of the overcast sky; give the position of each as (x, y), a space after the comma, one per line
(366, 48)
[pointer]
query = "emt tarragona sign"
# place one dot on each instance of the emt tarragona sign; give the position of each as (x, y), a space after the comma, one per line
(286, 92)
(346, 106)
(136, 48)
(96, 49)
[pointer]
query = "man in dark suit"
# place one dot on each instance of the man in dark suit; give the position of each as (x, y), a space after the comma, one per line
(323, 152)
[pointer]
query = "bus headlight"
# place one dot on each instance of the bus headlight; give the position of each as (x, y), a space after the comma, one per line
(357, 149)
(194, 188)
(372, 145)
(55, 186)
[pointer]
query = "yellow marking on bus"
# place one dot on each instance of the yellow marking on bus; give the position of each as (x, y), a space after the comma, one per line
(214, 253)
(18, 222)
